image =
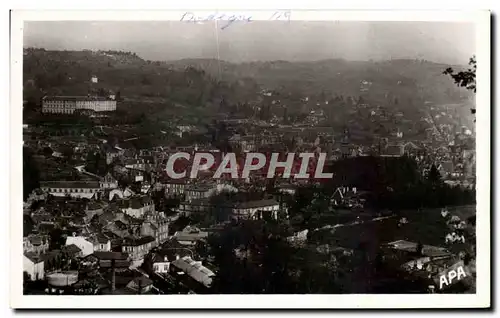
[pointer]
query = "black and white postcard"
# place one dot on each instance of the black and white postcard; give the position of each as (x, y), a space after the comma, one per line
(250, 159)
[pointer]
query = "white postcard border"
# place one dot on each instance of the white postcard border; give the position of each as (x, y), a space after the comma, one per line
(480, 299)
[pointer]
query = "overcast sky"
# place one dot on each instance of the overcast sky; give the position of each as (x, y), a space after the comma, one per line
(262, 40)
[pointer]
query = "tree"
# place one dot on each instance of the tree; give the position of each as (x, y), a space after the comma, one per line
(26, 277)
(434, 177)
(466, 78)
(56, 239)
(31, 173)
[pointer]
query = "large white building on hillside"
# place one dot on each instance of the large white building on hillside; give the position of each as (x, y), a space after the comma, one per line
(70, 104)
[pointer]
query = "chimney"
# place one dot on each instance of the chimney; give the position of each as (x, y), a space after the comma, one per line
(139, 287)
(113, 276)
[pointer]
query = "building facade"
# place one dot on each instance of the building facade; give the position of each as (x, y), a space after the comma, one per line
(34, 266)
(256, 209)
(82, 243)
(70, 104)
(137, 248)
(37, 244)
(75, 189)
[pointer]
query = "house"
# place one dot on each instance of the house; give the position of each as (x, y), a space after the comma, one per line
(392, 151)
(446, 167)
(298, 238)
(102, 243)
(137, 248)
(37, 244)
(141, 164)
(92, 209)
(256, 209)
(411, 149)
(140, 285)
(344, 196)
(71, 251)
(175, 188)
(118, 228)
(75, 189)
(33, 264)
(190, 235)
(120, 194)
(137, 206)
(146, 187)
(200, 191)
(155, 226)
(195, 206)
(193, 269)
(112, 152)
(82, 243)
(105, 260)
(108, 182)
(163, 257)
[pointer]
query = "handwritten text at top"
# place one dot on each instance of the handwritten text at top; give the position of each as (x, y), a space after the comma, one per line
(229, 19)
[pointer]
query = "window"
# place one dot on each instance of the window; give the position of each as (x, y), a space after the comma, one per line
(165, 267)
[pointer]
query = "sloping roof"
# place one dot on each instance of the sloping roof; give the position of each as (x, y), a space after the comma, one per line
(195, 270)
(36, 240)
(35, 258)
(102, 239)
(71, 249)
(106, 217)
(120, 225)
(94, 205)
(411, 145)
(171, 243)
(111, 255)
(120, 263)
(393, 150)
(135, 202)
(70, 184)
(257, 204)
(142, 281)
(138, 241)
(170, 253)
(75, 98)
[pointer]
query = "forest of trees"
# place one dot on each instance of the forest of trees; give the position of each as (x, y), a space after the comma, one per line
(69, 73)
(397, 183)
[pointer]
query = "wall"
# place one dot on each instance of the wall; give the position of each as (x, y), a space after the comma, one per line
(86, 246)
(161, 267)
(33, 269)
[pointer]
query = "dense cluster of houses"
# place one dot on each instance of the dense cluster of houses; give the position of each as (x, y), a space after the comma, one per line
(108, 221)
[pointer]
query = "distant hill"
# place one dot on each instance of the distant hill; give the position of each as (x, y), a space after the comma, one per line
(70, 73)
(397, 85)
(408, 78)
